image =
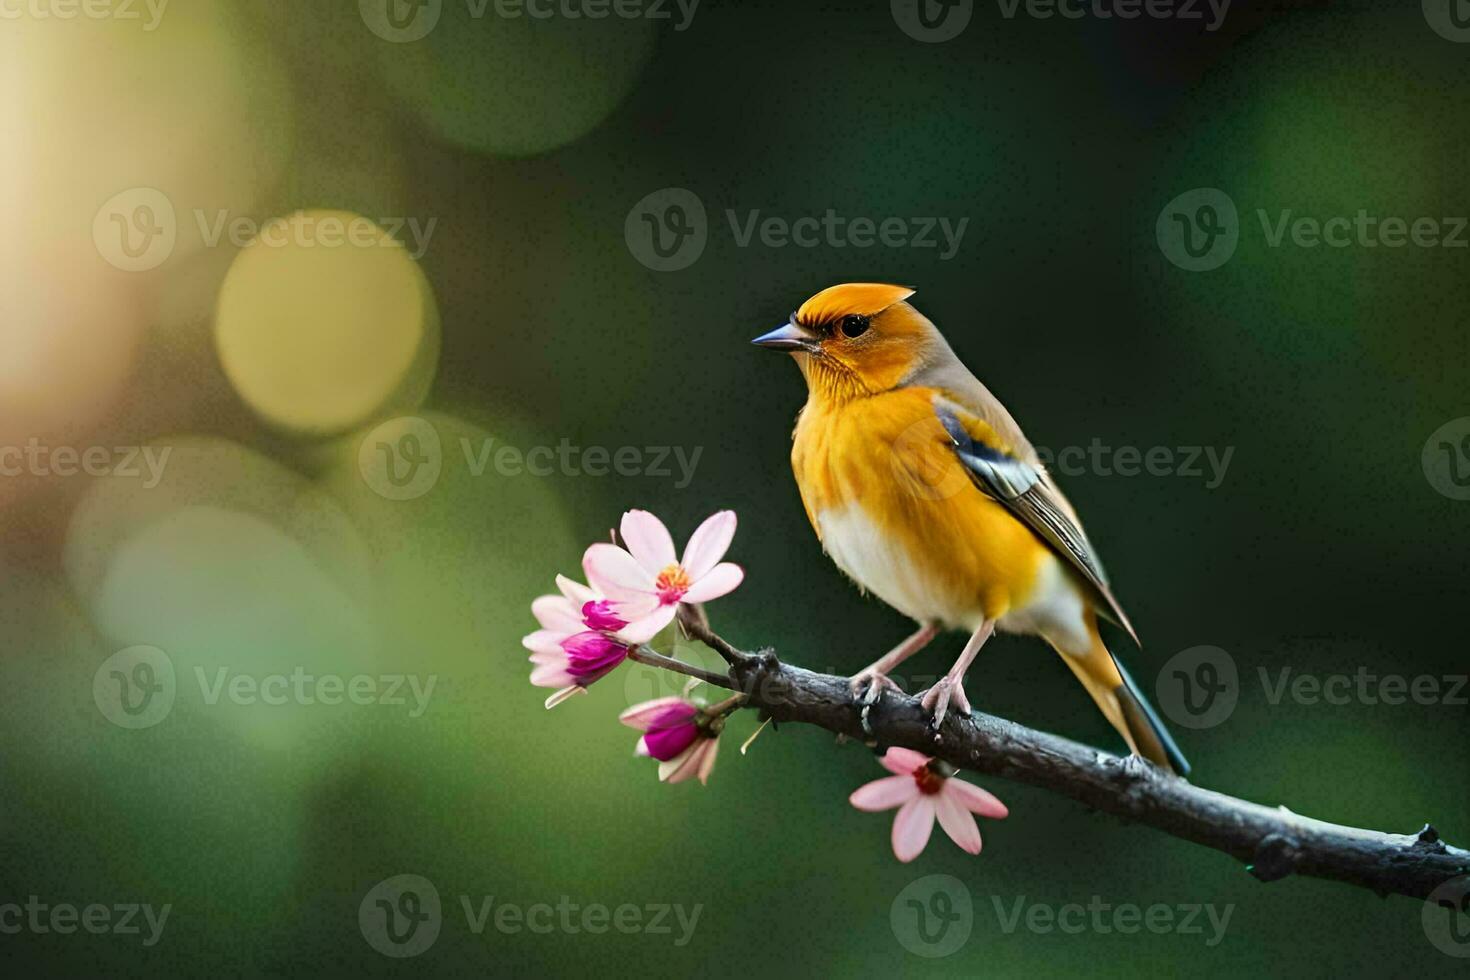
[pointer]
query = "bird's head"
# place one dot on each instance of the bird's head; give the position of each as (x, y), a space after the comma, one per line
(854, 339)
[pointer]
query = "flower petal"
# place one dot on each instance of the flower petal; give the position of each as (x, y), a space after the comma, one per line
(556, 612)
(975, 799)
(912, 826)
(545, 641)
(668, 741)
(649, 541)
(710, 749)
(708, 544)
(903, 762)
(578, 593)
(552, 675)
(721, 580)
(557, 656)
(957, 822)
(884, 794)
(645, 629)
(615, 572)
(640, 716)
(681, 767)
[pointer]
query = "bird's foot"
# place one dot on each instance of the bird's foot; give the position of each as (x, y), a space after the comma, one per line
(868, 685)
(949, 692)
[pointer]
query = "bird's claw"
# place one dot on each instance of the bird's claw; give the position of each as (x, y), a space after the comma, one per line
(950, 691)
(870, 685)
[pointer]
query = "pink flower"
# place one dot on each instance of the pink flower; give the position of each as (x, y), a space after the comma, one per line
(669, 725)
(674, 735)
(921, 791)
(575, 645)
(647, 582)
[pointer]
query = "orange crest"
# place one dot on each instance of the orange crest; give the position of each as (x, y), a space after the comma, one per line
(835, 302)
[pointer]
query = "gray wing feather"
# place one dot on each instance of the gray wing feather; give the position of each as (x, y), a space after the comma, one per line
(1027, 491)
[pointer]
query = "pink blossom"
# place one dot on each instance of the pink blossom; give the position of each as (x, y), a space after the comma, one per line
(921, 790)
(646, 582)
(575, 645)
(669, 725)
(675, 735)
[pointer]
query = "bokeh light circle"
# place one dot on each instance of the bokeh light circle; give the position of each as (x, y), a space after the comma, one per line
(325, 322)
(517, 85)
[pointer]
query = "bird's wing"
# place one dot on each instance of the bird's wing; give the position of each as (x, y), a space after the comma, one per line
(1025, 488)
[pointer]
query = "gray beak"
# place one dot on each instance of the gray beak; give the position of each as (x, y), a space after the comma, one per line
(788, 337)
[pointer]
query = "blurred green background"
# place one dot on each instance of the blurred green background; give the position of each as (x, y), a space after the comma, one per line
(270, 542)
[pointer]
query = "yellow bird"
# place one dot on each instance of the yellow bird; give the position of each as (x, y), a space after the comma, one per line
(923, 490)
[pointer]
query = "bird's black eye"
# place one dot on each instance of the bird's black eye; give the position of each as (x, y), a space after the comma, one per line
(854, 325)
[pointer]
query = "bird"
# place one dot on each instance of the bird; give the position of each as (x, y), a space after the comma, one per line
(923, 490)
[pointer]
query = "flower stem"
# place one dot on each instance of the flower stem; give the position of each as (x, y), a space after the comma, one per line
(696, 626)
(726, 706)
(645, 655)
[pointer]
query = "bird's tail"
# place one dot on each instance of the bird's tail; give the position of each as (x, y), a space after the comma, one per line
(1125, 707)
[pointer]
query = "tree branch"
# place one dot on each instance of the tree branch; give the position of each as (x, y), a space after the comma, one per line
(1273, 842)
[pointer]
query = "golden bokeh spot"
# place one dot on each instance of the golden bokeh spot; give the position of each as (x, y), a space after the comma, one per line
(325, 322)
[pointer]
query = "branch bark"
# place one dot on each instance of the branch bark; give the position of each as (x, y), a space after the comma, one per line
(1273, 842)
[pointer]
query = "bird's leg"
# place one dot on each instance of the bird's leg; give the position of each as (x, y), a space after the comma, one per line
(874, 677)
(951, 687)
